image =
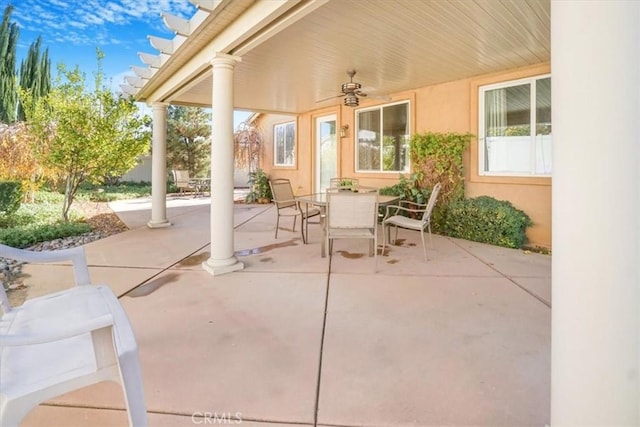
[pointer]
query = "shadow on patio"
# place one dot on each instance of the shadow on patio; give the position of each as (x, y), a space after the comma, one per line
(296, 339)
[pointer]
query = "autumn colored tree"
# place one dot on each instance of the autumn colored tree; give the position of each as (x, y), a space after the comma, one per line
(83, 135)
(17, 159)
(248, 146)
(189, 139)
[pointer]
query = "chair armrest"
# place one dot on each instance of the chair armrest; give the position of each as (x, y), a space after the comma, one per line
(286, 201)
(399, 208)
(75, 255)
(412, 205)
(103, 321)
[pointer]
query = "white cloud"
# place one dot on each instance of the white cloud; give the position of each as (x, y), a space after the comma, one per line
(60, 19)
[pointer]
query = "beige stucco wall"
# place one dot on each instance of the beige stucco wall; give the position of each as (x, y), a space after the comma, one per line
(140, 172)
(446, 107)
(530, 194)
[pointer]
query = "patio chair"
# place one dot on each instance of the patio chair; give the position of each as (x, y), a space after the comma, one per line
(63, 341)
(287, 205)
(422, 222)
(183, 181)
(352, 215)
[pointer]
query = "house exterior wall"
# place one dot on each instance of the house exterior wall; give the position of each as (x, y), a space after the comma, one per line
(446, 107)
(530, 194)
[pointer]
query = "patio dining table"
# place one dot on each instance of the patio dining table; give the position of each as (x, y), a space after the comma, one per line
(320, 200)
(202, 185)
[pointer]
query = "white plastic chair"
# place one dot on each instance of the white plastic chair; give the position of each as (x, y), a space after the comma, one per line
(419, 224)
(352, 215)
(64, 341)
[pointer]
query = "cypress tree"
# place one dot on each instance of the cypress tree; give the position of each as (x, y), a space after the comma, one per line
(35, 75)
(8, 82)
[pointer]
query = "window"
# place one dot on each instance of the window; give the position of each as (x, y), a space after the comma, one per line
(509, 144)
(383, 138)
(284, 144)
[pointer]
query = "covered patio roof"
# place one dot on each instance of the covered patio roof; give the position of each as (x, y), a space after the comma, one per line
(296, 52)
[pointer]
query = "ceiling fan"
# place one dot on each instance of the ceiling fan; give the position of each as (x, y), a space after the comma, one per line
(352, 91)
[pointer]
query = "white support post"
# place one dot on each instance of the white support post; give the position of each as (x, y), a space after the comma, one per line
(159, 167)
(222, 258)
(595, 351)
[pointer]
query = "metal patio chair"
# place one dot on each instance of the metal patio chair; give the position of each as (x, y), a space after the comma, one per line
(422, 211)
(352, 215)
(287, 205)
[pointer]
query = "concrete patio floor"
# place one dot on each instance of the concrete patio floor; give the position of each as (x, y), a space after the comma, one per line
(296, 339)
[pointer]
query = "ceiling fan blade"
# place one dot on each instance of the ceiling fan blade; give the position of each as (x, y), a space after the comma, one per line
(330, 97)
(373, 96)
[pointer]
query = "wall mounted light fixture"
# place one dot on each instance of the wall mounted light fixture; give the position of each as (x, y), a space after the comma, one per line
(344, 131)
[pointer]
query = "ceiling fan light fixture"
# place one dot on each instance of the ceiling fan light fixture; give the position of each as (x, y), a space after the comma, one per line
(351, 100)
(349, 87)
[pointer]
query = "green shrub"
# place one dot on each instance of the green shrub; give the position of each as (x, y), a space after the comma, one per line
(437, 158)
(487, 220)
(408, 189)
(259, 187)
(10, 197)
(21, 237)
(109, 193)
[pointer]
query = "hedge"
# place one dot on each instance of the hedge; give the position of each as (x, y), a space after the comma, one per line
(10, 197)
(487, 220)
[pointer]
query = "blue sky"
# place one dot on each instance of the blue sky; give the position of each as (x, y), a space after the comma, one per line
(73, 29)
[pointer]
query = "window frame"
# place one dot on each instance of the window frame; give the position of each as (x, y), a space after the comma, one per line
(482, 89)
(380, 108)
(284, 125)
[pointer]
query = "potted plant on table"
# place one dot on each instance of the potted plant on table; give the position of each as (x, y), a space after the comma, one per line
(347, 184)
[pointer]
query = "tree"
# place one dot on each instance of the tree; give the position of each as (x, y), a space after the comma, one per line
(85, 136)
(189, 139)
(248, 146)
(8, 84)
(35, 74)
(17, 158)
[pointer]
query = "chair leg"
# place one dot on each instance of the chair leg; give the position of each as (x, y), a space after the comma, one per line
(304, 240)
(277, 225)
(385, 232)
(12, 413)
(133, 389)
(374, 241)
(424, 247)
(306, 231)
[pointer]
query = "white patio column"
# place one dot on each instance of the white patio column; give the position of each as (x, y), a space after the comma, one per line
(595, 354)
(222, 258)
(159, 167)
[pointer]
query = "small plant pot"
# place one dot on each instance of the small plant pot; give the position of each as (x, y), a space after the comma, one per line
(264, 200)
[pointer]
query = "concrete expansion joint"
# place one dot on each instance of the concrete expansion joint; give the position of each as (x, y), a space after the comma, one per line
(509, 278)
